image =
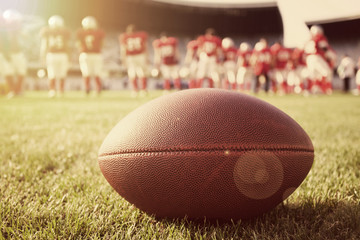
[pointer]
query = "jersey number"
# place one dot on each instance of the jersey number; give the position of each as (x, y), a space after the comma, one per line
(133, 44)
(56, 42)
(167, 51)
(209, 47)
(89, 41)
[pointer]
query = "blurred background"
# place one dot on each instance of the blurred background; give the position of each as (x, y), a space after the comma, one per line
(242, 20)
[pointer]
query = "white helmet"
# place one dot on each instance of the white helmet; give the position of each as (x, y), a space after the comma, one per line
(227, 43)
(89, 22)
(244, 47)
(56, 21)
(259, 46)
(316, 30)
(12, 16)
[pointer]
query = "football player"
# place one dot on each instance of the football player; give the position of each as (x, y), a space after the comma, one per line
(166, 59)
(299, 71)
(5, 67)
(346, 71)
(245, 73)
(229, 63)
(54, 51)
(209, 56)
(16, 63)
(320, 60)
(357, 78)
(90, 41)
(134, 54)
(261, 60)
(281, 57)
(191, 62)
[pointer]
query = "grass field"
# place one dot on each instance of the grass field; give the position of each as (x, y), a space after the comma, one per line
(51, 186)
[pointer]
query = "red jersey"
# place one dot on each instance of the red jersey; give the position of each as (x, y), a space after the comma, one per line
(319, 45)
(244, 58)
(298, 57)
(209, 44)
(90, 40)
(281, 55)
(167, 49)
(263, 61)
(134, 43)
(230, 54)
(193, 46)
(57, 39)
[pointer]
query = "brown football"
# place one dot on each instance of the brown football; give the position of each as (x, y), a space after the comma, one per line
(206, 153)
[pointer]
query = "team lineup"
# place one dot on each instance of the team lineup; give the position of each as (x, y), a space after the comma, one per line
(209, 60)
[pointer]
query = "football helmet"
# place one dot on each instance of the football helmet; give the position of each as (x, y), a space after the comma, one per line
(210, 31)
(259, 46)
(227, 43)
(316, 30)
(130, 28)
(89, 22)
(244, 47)
(56, 21)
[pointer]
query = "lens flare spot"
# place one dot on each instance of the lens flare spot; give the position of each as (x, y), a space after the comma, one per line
(258, 174)
(261, 176)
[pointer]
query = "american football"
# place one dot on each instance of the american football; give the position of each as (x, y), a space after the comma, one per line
(206, 153)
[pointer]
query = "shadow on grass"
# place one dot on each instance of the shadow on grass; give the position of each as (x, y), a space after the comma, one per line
(328, 220)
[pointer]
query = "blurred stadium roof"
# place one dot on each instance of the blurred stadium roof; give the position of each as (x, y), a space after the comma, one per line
(296, 15)
(312, 11)
(222, 3)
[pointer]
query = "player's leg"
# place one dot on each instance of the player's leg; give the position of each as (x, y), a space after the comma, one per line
(19, 63)
(141, 70)
(51, 71)
(240, 78)
(62, 71)
(326, 73)
(97, 64)
(84, 68)
(200, 75)
(357, 81)
(256, 83)
(280, 81)
(213, 73)
(232, 79)
(132, 78)
(131, 72)
(274, 81)
(165, 72)
(312, 62)
(193, 72)
(174, 72)
(8, 72)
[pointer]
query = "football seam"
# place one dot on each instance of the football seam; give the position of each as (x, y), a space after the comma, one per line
(229, 149)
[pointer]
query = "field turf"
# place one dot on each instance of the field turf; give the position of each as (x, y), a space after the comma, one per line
(51, 186)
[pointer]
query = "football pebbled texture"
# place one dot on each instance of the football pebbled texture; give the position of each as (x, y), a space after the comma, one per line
(206, 153)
